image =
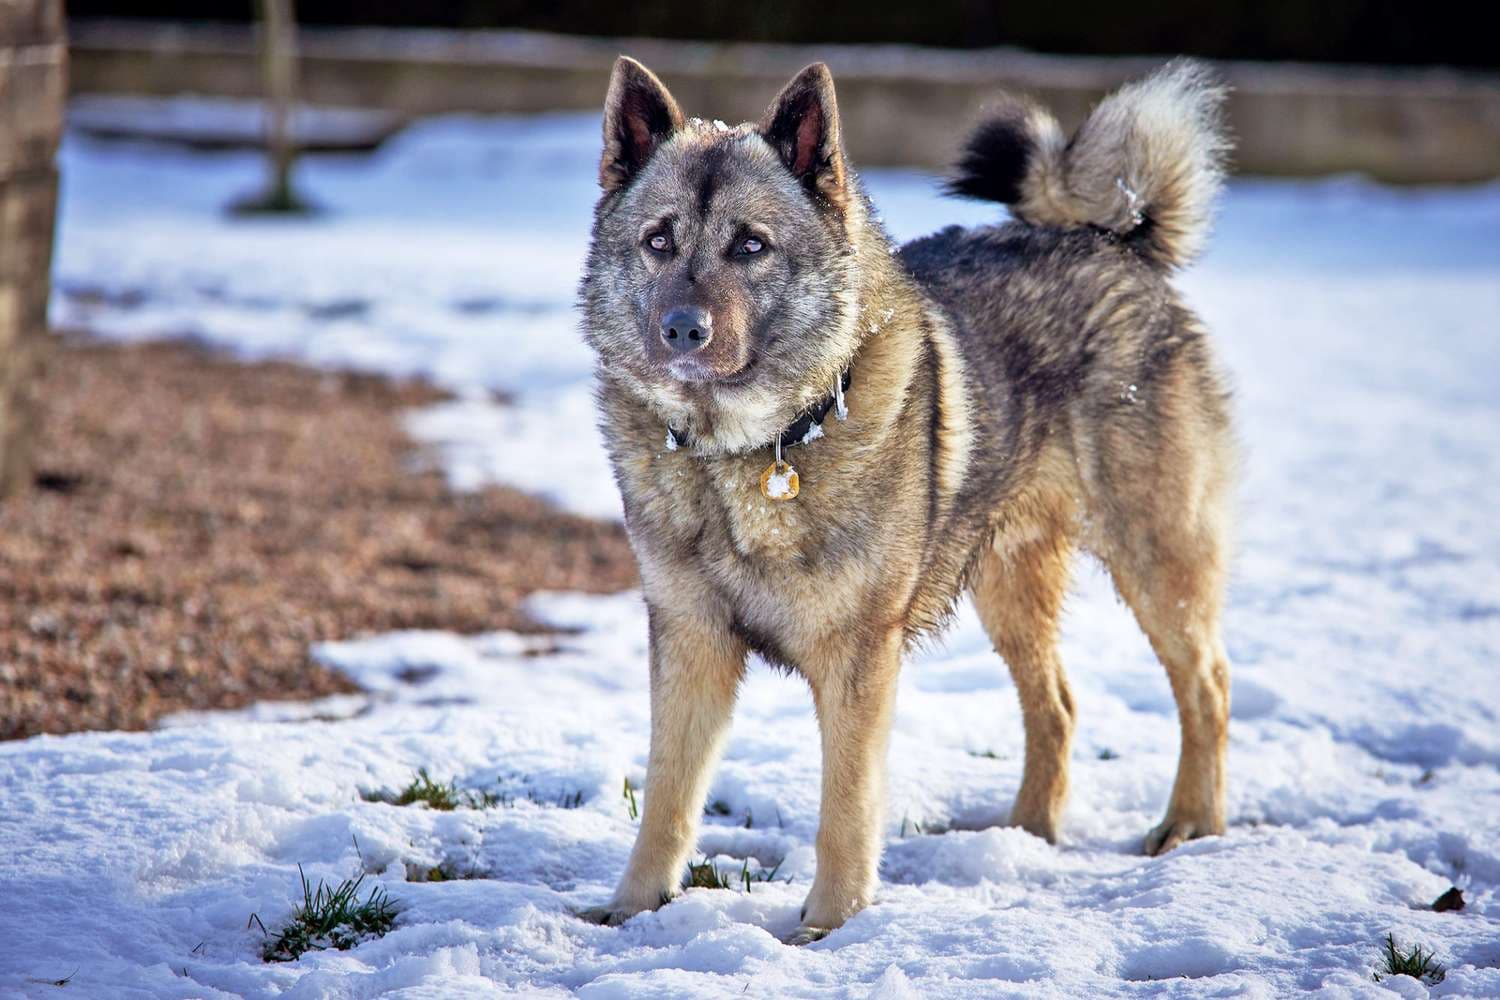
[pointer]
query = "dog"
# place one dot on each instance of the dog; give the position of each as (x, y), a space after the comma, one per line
(823, 441)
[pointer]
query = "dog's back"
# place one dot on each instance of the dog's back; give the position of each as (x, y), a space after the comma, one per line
(1073, 337)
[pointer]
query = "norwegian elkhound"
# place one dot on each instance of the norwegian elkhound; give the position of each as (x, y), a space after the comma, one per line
(823, 441)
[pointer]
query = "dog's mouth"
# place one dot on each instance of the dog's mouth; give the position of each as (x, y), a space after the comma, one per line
(695, 372)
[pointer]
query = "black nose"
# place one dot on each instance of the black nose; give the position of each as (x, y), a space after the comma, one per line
(688, 329)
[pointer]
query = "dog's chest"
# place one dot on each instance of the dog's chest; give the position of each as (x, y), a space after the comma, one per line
(756, 531)
(794, 572)
(769, 557)
(713, 508)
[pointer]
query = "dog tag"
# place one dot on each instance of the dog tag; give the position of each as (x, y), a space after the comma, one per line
(779, 481)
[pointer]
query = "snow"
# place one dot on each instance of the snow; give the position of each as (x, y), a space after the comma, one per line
(220, 122)
(1359, 324)
(781, 483)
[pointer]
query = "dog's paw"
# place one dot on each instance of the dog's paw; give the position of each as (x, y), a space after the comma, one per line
(617, 911)
(826, 908)
(1174, 831)
(1039, 822)
(605, 916)
(806, 935)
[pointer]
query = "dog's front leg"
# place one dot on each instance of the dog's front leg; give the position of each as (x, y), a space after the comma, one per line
(696, 667)
(855, 699)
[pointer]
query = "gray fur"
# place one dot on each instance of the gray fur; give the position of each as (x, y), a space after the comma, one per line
(1018, 391)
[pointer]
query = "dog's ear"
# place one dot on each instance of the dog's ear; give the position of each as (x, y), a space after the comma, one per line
(802, 125)
(639, 115)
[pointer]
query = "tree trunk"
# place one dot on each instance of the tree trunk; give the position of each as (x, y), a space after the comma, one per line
(278, 65)
(33, 92)
(279, 22)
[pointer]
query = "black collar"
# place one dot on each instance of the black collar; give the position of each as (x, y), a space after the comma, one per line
(807, 427)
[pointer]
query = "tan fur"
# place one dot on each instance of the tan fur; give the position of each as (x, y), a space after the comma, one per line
(1002, 415)
(1018, 592)
(695, 672)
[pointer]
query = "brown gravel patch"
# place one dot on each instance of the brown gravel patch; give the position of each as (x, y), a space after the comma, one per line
(196, 523)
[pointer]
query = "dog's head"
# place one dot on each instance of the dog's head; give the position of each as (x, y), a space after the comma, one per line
(720, 278)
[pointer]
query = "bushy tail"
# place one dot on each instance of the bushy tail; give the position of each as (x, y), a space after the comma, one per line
(1146, 165)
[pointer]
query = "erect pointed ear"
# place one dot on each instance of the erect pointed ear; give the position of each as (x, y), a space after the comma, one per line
(802, 125)
(639, 115)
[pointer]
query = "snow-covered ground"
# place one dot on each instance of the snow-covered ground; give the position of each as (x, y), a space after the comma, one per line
(1360, 324)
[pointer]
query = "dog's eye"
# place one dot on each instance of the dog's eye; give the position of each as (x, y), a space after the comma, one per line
(661, 243)
(750, 245)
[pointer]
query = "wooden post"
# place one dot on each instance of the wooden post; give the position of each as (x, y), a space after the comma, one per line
(33, 89)
(280, 54)
(278, 65)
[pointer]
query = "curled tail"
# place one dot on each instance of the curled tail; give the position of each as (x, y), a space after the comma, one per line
(1146, 164)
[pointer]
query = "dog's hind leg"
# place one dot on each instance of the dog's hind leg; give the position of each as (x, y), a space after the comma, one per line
(1165, 540)
(696, 667)
(1018, 590)
(1177, 606)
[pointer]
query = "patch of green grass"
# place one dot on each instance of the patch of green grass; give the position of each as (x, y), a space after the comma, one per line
(434, 795)
(329, 917)
(748, 877)
(564, 800)
(630, 804)
(447, 796)
(1108, 754)
(986, 755)
(1416, 963)
(707, 875)
(447, 871)
(515, 787)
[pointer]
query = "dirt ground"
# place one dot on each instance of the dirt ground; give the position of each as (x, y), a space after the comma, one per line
(196, 523)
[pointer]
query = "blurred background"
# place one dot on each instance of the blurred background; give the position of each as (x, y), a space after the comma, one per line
(1395, 90)
(1350, 31)
(288, 351)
